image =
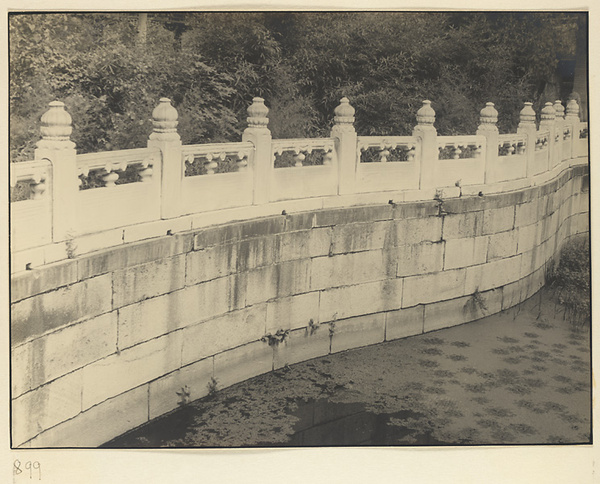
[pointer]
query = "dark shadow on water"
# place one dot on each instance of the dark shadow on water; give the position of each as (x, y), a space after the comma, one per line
(320, 423)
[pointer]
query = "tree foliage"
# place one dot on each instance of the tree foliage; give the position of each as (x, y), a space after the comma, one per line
(212, 64)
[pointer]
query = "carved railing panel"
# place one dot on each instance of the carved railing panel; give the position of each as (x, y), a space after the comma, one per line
(384, 149)
(302, 152)
(210, 159)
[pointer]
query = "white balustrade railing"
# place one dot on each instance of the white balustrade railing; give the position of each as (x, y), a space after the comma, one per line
(110, 165)
(161, 182)
(215, 155)
(300, 148)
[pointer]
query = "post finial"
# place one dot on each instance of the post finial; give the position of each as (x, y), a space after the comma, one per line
(56, 125)
(164, 121)
(344, 113)
(257, 113)
(572, 110)
(426, 114)
(548, 114)
(527, 115)
(559, 109)
(488, 117)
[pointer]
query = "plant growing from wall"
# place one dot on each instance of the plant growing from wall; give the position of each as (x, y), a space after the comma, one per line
(184, 395)
(476, 303)
(212, 386)
(312, 327)
(275, 339)
(70, 246)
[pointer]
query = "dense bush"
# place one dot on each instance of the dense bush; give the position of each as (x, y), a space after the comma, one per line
(212, 64)
(571, 282)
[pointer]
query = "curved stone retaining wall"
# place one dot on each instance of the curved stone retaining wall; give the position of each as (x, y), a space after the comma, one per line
(105, 342)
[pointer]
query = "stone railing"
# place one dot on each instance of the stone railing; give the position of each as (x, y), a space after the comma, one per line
(81, 203)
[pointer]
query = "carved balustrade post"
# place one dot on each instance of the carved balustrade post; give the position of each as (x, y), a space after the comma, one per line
(426, 133)
(259, 135)
(345, 138)
(527, 127)
(165, 137)
(488, 117)
(548, 122)
(559, 125)
(572, 120)
(57, 147)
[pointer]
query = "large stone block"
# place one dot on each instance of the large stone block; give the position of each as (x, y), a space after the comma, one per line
(498, 220)
(281, 280)
(182, 386)
(512, 294)
(358, 237)
(492, 274)
(160, 315)
(109, 260)
(300, 221)
(148, 280)
(130, 368)
(502, 245)
(347, 269)
(404, 322)
(527, 213)
(304, 244)
(20, 369)
(301, 345)
(257, 252)
(528, 237)
(420, 258)
(368, 298)
(417, 230)
(465, 252)
(429, 208)
(46, 278)
(433, 287)
(343, 216)
(211, 263)
(222, 333)
(46, 406)
(243, 362)
(39, 314)
(359, 331)
(70, 348)
(461, 310)
(463, 225)
(292, 312)
(464, 204)
(99, 424)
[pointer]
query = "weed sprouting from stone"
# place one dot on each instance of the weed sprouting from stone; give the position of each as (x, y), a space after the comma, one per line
(212, 386)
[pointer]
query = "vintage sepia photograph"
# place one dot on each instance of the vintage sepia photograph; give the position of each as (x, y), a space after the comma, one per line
(275, 229)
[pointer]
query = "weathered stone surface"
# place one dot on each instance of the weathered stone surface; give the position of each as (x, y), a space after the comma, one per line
(210, 263)
(46, 278)
(404, 322)
(493, 274)
(70, 348)
(527, 213)
(281, 280)
(256, 252)
(417, 230)
(359, 331)
(109, 260)
(227, 331)
(347, 269)
(300, 221)
(429, 208)
(528, 237)
(461, 310)
(148, 280)
(462, 205)
(130, 368)
(465, 252)
(502, 245)
(343, 216)
(243, 362)
(191, 382)
(45, 312)
(304, 244)
(498, 220)
(292, 312)
(46, 406)
(101, 423)
(350, 301)
(433, 287)
(463, 225)
(361, 236)
(511, 294)
(420, 258)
